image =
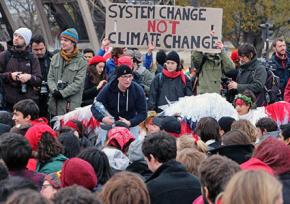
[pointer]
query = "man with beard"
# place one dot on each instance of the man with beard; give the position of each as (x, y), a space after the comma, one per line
(19, 70)
(280, 62)
(38, 48)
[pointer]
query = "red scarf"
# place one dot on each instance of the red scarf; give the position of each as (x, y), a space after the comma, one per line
(175, 74)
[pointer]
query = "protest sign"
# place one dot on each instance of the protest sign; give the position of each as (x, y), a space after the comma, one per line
(168, 27)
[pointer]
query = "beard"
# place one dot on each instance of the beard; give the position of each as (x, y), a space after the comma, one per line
(19, 46)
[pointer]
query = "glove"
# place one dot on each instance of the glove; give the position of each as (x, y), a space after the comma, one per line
(57, 95)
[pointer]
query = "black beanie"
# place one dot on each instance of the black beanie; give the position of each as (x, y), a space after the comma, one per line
(173, 56)
(171, 124)
(123, 70)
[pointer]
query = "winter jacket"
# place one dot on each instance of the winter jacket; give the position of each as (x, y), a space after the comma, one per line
(214, 67)
(285, 180)
(171, 183)
(45, 64)
(24, 62)
(252, 76)
(72, 73)
(141, 168)
(130, 105)
(287, 92)
(282, 73)
(163, 87)
(90, 92)
(54, 165)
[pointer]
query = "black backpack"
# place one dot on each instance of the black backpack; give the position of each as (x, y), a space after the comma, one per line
(271, 87)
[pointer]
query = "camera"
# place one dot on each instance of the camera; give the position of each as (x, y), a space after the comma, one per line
(23, 88)
(61, 85)
(43, 88)
(225, 92)
(225, 82)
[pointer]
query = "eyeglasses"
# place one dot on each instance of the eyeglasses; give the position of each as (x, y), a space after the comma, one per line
(129, 76)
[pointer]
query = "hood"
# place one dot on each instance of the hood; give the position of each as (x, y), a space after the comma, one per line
(117, 159)
(135, 151)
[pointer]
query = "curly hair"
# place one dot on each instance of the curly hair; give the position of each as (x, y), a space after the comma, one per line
(48, 147)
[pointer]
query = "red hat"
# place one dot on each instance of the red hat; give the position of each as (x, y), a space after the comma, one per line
(120, 137)
(96, 60)
(256, 164)
(78, 171)
(235, 56)
(125, 60)
(34, 134)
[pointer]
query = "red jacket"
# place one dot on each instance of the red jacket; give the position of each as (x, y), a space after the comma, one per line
(287, 92)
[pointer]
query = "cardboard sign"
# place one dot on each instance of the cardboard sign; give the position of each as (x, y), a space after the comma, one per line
(168, 27)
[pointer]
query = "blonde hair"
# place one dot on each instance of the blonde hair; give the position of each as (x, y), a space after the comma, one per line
(252, 187)
(247, 127)
(188, 141)
(191, 159)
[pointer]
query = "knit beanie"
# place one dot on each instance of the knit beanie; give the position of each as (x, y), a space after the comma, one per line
(125, 60)
(71, 34)
(96, 60)
(123, 70)
(25, 33)
(173, 56)
(78, 171)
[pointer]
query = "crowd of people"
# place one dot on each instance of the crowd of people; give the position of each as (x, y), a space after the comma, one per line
(137, 155)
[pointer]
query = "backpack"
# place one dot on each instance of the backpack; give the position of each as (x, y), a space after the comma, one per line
(271, 87)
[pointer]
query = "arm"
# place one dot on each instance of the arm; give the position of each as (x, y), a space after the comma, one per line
(259, 80)
(188, 87)
(101, 52)
(227, 64)
(147, 81)
(141, 108)
(196, 59)
(77, 83)
(101, 97)
(148, 60)
(153, 93)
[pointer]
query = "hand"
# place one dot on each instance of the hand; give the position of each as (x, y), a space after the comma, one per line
(105, 43)
(14, 75)
(101, 84)
(219, 45)
(127, 122)
(233, 85)
(151, 47)
(24, 78)
(108, 120)
(57, 95)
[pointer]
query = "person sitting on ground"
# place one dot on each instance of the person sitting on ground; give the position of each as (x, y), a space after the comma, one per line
(95, 79)
(70, 143)
(79, 172)
(99, 161)
(170, 182)
(27, 196)
(125, 187)
(170, 85)
(276, 154)
(236, 145)
(225, 124)
(285, 133)
(252, 187)
(266, 127)
(207, 129)
(16, 151)
(214, 174)
(191, 159)
(247, 127)
(75, 195)
(245, 106)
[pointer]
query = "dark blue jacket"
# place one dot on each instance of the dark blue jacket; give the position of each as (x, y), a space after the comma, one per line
(283, 74)
(130, 105)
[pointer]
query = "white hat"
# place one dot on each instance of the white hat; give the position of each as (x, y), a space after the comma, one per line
(25, 33)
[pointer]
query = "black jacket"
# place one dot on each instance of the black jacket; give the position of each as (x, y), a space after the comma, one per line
(141, 168)
(163, 87)
(285, 180)
(252, 76)
(130, 105)
(171, 184)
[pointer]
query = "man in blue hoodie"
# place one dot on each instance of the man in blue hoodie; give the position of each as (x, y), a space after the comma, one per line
(123, 99)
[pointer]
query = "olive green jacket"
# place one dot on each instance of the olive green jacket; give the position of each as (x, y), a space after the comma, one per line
(74, 74)
(213, 69)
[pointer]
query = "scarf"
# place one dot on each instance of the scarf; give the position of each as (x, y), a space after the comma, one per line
(68, 56)
(175, 74)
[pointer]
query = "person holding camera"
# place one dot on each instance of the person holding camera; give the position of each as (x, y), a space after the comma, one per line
(20, 70)
(252, 74)
(66, 75)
